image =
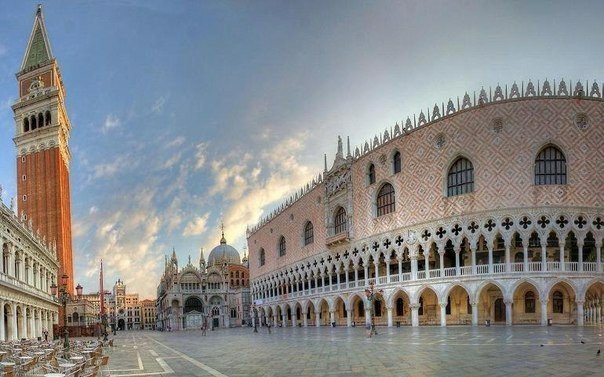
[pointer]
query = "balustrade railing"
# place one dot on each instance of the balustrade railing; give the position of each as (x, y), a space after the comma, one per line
(434, 274)
(497, 268)
(572, 266)
(553, 266)
(534, 266)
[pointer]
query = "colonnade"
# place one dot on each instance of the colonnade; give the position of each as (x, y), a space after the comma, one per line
(19, 320)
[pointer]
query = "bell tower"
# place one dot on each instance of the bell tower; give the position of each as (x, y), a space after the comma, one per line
(41, 138)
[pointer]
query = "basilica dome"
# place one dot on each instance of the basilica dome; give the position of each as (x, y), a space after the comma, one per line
(224, 253)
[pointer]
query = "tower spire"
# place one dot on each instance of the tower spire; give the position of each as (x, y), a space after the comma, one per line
(38, 49)
(222, 240)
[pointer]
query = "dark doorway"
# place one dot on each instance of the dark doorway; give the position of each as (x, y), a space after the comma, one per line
(215, 322)
(121, 324)
(499, 310)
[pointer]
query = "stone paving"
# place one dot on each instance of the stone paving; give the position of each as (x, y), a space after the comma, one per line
(341, 351)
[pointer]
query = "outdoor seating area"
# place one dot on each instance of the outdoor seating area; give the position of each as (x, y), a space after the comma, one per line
(31, 358)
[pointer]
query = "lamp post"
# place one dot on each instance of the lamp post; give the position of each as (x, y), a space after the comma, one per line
(255, 317)
(372, 296)
(62, 295)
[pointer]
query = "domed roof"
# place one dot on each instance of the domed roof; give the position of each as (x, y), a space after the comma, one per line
(224, 253)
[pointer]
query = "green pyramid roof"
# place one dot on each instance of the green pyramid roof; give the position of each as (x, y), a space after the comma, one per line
(38, 49)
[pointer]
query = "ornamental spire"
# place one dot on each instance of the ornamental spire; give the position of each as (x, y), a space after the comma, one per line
(38, 50)
(222, 240)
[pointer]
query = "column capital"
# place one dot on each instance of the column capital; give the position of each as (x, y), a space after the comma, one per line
(414, 306)
(580, 302)
(442, 305)
(543, 301)
(473, 303)
(508, 301)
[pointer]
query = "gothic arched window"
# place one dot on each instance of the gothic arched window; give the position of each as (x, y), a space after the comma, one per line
(25, 125)
(558, 302)
(385, 200)
(400, 307)
(40, 120)
(33, 122)
(308, 233)
(371, 174)
(47, 118)
(261, 258)
(460, 179)
(396, 162)
(340, 221)
(529, 302)
(282, 246)
(550, 167)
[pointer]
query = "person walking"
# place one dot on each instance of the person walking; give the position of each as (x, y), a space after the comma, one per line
(204, 330)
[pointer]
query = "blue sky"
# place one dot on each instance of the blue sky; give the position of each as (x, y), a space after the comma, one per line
(188, 112)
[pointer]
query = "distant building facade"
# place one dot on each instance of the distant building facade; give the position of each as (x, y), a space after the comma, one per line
(217, 294)
(148, 314)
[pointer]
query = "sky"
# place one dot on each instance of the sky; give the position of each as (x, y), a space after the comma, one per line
(187, 114)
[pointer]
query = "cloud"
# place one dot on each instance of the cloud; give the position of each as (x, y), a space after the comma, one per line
(111, 121)
(124, 235)
(109, 169)
(158, 105)
(200, 157)
(176, 142)
(172, 161)
(197, 226)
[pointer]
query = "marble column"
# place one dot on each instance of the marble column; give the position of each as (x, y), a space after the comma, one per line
(580, 246)
(508, 267)
(474, 313)
(599, 256)
(332, 317)
(414, 315)
(348, 317)
(543, 312)
(544, 255)
(317, 319)
(525, 254)
(413, 258)
(457, 264)
(389, 311)
(367, 316)
(2, 329)
(305, 319)
(490, 248)
(580, 314)
(443, 314)
(473, 250)
(508, 312)
(441, 262)
(562, 264)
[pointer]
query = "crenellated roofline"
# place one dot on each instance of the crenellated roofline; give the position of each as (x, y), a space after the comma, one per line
(514, 93)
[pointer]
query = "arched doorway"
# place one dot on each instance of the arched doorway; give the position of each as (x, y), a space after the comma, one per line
(490, 303)
(8, 328)
(401, 313)
(358, 311)
(561, 304)
(429, 310)
(193, 313)
(341, 312)
(324, 313)
(526, 308)
(459, 308)
(593, 308)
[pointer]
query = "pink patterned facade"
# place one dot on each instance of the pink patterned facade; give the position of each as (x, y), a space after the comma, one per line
(443, 258)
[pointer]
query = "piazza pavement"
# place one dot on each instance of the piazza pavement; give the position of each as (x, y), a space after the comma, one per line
(342, 351)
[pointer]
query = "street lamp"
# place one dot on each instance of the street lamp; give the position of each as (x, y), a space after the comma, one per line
(62, 294)
(372, 296)
(255, 317)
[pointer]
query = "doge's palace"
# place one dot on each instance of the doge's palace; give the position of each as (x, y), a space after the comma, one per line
(488, 208)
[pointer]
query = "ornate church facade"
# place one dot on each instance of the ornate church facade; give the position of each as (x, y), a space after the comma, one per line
(484, 209)
(216, 294)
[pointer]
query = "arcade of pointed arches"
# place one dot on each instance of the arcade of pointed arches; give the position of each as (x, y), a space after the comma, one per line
(518, 301)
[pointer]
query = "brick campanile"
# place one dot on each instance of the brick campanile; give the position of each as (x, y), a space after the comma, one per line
(41, 139)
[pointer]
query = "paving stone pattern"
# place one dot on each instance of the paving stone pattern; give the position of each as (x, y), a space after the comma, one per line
(424, 351)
